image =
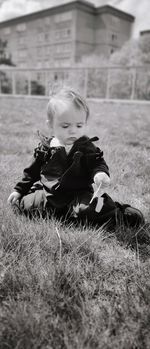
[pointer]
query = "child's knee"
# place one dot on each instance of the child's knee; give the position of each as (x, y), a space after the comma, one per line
(27, 202)
(33, 201)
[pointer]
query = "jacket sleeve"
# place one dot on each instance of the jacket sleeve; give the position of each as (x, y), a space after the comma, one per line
(31, 174)
(96, 161)
(100, 166)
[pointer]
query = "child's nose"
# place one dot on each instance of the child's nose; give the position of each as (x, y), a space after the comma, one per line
(72, 130)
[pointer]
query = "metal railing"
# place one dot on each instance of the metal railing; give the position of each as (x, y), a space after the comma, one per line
(106, 82)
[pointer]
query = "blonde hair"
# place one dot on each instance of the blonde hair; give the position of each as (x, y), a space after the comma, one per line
(65, 95)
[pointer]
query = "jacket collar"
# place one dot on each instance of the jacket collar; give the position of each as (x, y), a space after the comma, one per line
(55, 143)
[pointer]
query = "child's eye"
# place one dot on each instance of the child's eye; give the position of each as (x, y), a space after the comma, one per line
(65, 126)
(79, 126)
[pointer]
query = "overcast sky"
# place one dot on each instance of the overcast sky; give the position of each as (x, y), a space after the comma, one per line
(139, 8)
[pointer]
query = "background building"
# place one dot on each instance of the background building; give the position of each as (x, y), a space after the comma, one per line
(62, 35)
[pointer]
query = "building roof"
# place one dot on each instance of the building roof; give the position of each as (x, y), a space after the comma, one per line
(83, 4)
(114, 11)
(74, 4)
(145, 32)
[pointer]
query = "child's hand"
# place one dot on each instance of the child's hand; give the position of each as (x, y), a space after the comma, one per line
(101, 178)
(13, 197)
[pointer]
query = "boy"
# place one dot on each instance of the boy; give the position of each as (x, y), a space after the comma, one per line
(65, 166)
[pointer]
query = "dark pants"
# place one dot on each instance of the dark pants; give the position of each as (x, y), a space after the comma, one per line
(112, 214)
(39, 203)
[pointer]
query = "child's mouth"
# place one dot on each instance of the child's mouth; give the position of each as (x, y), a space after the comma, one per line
(71, 140)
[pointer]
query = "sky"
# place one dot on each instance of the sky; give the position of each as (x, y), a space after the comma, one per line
(139, 8)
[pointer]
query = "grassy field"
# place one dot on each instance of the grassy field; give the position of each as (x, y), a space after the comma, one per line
(87, 290)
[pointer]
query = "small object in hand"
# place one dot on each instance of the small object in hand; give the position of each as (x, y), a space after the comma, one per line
(95, 193)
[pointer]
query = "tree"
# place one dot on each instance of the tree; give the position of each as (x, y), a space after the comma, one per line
(94, 74)
(129, 55)
(144, 44)
(5, 58)
(133, 77)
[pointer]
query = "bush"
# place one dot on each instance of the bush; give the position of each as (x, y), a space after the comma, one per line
(5, 83)
(37, 88)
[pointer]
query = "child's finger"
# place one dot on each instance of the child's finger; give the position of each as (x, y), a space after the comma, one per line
(14, 201)
(9, 200)
(82, 207)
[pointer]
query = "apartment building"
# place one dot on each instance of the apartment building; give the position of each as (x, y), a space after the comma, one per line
(62, 35)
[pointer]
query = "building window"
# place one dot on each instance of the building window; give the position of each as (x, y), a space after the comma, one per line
(115, 20)
(21, 40)
(68, 32)
(46, 36)
(58, 35)
(114, 37)
(67, 47)
(62, 62)
(47, 50)
(40, 51)
(47, 64)
(21, 27)
(23, 65)
(47, 20)
(63, 49)
(39, 64)
(62, 33)
(58, 48)
(61, 17)
(22, 54)
(40, 37)
(7, 31)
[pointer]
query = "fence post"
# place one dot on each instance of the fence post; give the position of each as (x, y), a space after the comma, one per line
(0, 84)
(85, 82)
(46, 83)
(107, 84)
(29, 83)
(133, 83)
(13, 83)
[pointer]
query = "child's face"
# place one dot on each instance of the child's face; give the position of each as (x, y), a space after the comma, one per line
(69, 124)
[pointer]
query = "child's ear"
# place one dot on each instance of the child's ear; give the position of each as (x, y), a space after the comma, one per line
(50, 128)
(48, 123)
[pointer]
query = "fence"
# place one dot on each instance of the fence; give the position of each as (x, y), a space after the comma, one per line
(105, 82)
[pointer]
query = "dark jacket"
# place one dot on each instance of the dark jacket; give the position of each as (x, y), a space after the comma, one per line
(59, 172)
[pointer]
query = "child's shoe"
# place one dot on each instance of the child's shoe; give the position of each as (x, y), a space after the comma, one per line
(106, 215)
(112, 214)
(129, 216)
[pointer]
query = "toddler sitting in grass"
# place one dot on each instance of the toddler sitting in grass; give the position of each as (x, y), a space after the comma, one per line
(64, 168)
